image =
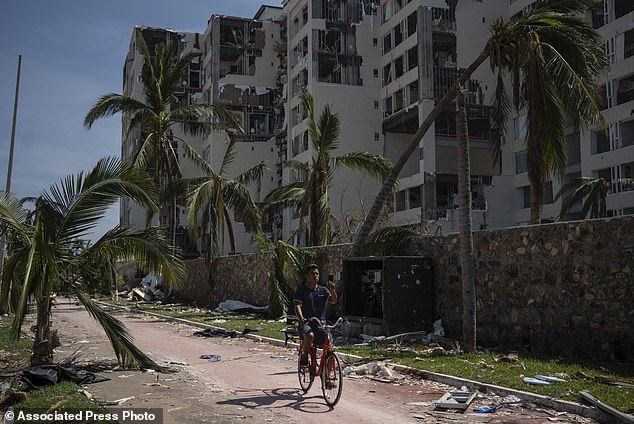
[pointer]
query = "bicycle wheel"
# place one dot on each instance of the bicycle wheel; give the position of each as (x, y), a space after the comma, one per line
(332, 379)
(305, 373)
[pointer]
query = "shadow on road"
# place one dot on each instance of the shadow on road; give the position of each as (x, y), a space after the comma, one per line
(277, 399)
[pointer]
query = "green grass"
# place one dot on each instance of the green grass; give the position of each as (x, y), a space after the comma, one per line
(580, 375)
(16, 352)
(60, 398)
(237, 322)
(483, 368)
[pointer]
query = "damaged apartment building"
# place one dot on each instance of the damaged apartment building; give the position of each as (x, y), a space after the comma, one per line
(382, 65)
(426, 45)
(333, 53)
(242, 66)
(130, 214)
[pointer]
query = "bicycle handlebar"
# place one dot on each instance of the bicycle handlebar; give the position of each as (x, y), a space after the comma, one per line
(336, 324)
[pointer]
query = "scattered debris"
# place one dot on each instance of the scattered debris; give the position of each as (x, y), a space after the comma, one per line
(86, 393)
(229, 306)
(511, 357)
(376, 370)
(155, 384)
(535, 381)
(48, 375)
(216, 332)
(543, 380)
(115, 402)
(602, 379)
(550, 379)
(455, 400)
(615, 413)
(150, 289)
(211, 358)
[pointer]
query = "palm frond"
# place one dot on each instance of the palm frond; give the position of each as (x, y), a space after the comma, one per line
(84, 199)
(110, 104)
(147, 248)
(127, 353)
(388, 241)
(366, 163)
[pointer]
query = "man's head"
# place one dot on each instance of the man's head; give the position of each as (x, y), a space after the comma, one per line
(311, 271)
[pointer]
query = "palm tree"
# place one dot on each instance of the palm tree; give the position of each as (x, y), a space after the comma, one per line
(466, 235)
(155, 117)
(593, 190)
(47, 255)
(214, 195)
(310, 196)
(554, 58)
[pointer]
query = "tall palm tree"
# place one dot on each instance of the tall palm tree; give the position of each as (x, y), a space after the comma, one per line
(214, 195)
(47, 255)
(310, 196)
(593, 190)
(554, 58)
(466, 235)
(155, 116)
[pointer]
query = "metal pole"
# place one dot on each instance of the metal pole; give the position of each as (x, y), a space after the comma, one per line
(15, 115)
(3, 307)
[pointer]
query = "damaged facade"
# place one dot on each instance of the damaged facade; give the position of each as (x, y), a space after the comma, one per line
(382, 65)
(334, 54)
(131, 214)
(241, 70)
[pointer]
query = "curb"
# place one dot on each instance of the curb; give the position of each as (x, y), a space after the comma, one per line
(556, 404)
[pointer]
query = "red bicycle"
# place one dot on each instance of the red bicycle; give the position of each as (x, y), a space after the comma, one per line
(328, 368)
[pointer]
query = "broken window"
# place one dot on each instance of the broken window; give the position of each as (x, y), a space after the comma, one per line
(398, 66)
(387, 74)
(387, 43)
(412, 58)
(413, 92)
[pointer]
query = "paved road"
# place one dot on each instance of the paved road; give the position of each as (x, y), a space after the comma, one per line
(253, 382)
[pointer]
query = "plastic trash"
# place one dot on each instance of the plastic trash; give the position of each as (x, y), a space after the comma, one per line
(536, 381)
(485, 409)
(211, 358)
(550, 379)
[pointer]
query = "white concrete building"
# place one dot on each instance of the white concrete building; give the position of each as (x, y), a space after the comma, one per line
(382, 65)
(333, 53)
(241, 70)
(130, 213)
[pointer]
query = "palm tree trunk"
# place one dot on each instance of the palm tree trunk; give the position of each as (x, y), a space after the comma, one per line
(232, 240)
(174, 216)
(381, 198)
(537, 198)
(466, 236)
(42, 344)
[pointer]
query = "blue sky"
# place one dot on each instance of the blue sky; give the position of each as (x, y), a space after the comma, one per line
(72, 53)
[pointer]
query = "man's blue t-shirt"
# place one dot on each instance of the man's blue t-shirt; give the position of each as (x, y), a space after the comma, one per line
(313, 301)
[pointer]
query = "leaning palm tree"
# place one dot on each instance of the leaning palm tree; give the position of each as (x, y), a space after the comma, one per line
(593, 190)
(47, 256)
(214, 195)
(155, 116)
(310, 195)
(554, 58)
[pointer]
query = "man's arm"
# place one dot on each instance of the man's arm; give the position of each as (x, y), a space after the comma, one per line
(333, 298)
(298, 312)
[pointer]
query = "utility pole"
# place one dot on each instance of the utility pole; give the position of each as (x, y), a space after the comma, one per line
(4, 308)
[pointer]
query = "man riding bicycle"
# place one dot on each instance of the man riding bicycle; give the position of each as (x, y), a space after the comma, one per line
(310, 302)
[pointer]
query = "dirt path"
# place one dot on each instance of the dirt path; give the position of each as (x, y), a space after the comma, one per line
(253, 382)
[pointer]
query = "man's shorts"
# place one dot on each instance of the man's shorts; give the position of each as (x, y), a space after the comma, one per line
(317, 329)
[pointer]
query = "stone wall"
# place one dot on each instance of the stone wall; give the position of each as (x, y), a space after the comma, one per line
(565, 288)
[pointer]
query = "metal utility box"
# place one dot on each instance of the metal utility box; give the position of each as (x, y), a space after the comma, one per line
(393, 292)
